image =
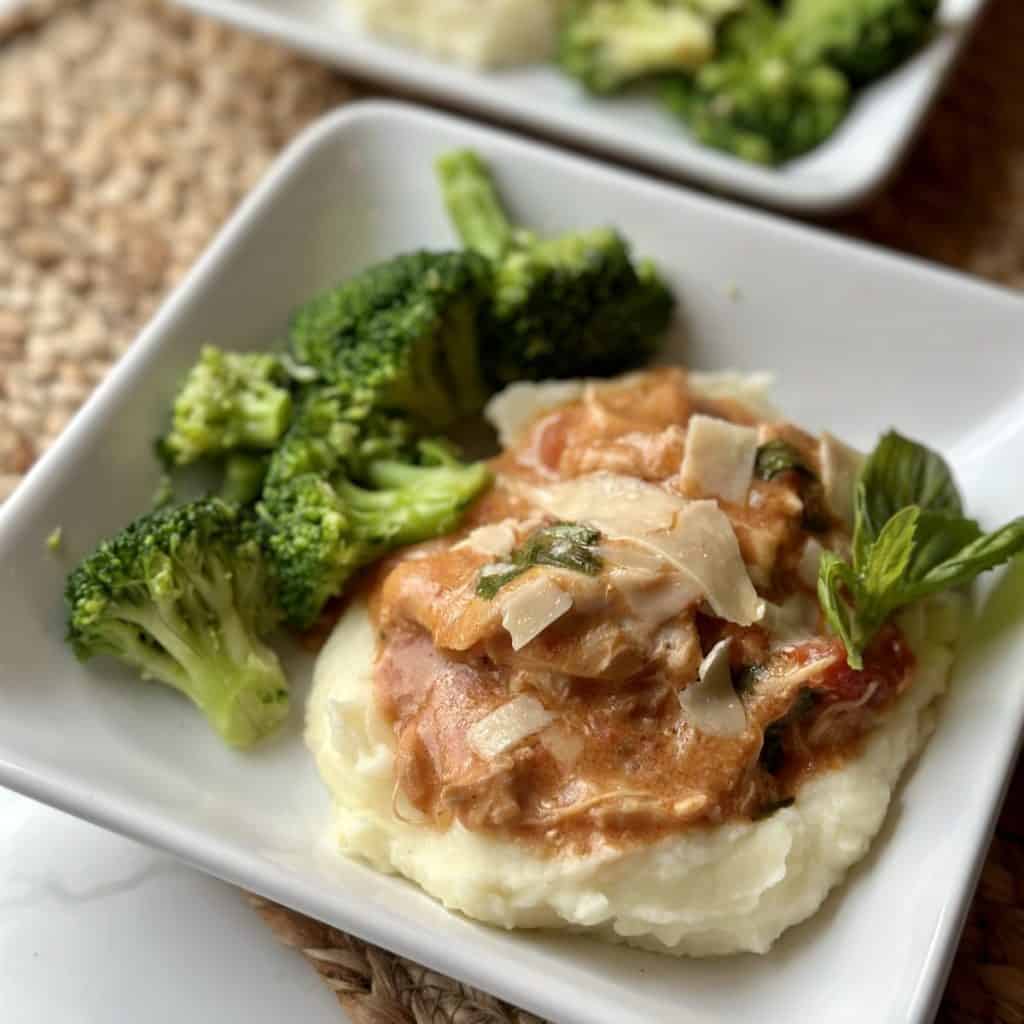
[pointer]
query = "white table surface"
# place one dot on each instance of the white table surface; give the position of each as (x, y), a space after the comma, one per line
(95, 929)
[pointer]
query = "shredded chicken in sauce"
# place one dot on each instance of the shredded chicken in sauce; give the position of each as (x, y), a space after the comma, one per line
(607, 749)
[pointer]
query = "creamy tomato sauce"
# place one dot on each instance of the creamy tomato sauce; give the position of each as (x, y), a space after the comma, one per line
(617, 758)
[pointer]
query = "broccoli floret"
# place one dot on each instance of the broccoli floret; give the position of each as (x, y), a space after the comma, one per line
(317, 532)
(563, 307)
(758, 99)
(864, 39)
(333, 433)
(182, 595)
(229, 401)
(243, 478)
(781, 82)
(607, 44)
(402, 336)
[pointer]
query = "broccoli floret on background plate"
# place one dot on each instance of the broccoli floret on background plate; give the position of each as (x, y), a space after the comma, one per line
(756, 99)
(782, 79)
(569, 306)
(402, 336)
(317, 531)
(864, 39)
(606, 44)
(182, 595)
(229, 401)
(760, 106)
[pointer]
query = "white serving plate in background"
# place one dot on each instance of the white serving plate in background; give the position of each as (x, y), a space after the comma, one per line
(859, 339)
(840, 173)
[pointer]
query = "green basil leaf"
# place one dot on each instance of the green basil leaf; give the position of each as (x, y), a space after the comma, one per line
(563, 546)
(899, 473)
(939, 537)
(979, 556)
(839, 593)
(911, 539)
(493, 577)
(887, 559)
(776, 457)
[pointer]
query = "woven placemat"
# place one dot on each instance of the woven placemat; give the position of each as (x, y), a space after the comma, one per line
(130, 129)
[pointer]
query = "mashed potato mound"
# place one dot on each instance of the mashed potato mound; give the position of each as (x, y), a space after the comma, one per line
(723, 889)
(480, 33)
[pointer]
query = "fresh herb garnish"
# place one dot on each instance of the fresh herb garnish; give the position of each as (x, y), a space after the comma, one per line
(776, 457)
(910, 540)
(562, 546)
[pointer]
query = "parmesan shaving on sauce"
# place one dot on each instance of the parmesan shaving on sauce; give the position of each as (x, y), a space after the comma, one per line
(531, 607)
(840, 467)
(519, 405)
(508, 726)
(718, 460)
(494, 539)
(710, 704)
(810, 562)
(693, 538)
(793, 621)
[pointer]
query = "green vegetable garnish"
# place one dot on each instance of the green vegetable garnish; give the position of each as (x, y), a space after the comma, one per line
(562, 546)
(54, 541)
(776, 457)
(910, 540)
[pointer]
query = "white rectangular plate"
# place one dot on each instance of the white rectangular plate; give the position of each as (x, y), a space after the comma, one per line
(843, 171)
(859, 340)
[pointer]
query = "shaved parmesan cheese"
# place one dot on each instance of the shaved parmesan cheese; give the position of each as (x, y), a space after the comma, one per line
(791, 622)
(704, 543)
(515, 408)
(563, 744)
(508, 726)
(531, 607)
(619, 506)
(751, 389)
(695, 538)
(810, 562)
(495, 539)
(840, 467)
(718, 460)
(710, 704)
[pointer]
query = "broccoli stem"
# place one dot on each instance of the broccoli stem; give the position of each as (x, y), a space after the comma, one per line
(232, 677)
(415, 503)
(243, 478)
(473, 204)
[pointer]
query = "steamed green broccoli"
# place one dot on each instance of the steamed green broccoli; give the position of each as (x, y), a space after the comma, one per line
(334, 433)
(864, 39)
(182, 595)
(563, 307)
(318, 531)
(757, 99)
(402, 336)
(781, 82)
(607, 44)
(243, 478)
(229, 401)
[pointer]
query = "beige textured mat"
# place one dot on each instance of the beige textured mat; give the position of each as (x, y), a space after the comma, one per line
(128, 132)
